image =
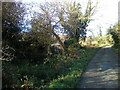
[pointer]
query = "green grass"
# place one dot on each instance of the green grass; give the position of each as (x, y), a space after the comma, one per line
(72, 78)
(57, 72)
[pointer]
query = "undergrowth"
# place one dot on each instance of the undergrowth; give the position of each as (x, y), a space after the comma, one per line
(60, 71)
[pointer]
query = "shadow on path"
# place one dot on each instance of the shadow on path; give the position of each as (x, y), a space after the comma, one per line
(102, 71)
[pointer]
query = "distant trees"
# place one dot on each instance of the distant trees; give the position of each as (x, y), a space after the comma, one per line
(115, 32)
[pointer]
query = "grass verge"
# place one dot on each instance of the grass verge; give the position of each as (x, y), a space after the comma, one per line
(72, 78)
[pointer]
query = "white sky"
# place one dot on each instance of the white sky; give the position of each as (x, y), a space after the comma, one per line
(106, 14)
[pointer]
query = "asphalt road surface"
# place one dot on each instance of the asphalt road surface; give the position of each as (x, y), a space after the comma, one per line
(102, 71)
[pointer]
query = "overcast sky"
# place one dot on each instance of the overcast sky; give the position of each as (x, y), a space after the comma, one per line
(106, 14)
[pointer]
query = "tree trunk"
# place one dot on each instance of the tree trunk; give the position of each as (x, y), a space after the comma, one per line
(59, 40)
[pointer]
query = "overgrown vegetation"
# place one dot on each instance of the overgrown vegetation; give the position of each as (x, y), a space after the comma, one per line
(115, 32)
(30, 54)
(61, 71)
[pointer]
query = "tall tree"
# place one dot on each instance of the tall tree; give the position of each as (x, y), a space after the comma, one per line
(55, 17)
(75, 22)
(47, 20)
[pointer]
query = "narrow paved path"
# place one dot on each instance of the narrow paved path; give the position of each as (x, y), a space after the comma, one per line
(102, 71)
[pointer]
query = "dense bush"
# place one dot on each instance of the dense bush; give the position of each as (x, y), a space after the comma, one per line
(103, 40)
(63, 69)
(27, 61)
(72, 45)
(12, 15)
(32, 48)
(115, 32)
(18, 46)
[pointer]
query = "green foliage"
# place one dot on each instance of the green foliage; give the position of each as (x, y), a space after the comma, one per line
(57, 72)
(100, 40)
(115, 32)
(71, 45)
(34, 46)
(19, 46)
(69, 42)
(109, 39)
(76, 22)
(75, 70)
(104, 40)
(47, 22)
(31, 66)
